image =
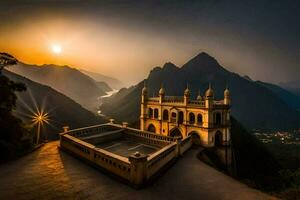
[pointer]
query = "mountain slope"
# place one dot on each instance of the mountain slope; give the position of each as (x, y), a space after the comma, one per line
(288, 97)
(103, 86)
(62, 110)
(112, 82)
(64, 79)
(253, 104)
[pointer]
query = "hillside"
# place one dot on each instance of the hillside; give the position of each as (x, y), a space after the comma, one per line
(62, 110)
(64, 79)
(254, 105)
(103, 86)
(112, 82)
(288, 97)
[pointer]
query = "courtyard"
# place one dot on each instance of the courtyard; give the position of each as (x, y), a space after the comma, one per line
(125, 147)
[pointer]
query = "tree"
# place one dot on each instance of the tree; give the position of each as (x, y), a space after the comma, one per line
(12, 140)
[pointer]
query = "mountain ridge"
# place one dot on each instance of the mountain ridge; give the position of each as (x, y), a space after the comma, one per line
(253, 104)
(69, 81)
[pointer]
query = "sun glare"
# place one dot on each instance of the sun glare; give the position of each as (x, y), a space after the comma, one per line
(56, 49)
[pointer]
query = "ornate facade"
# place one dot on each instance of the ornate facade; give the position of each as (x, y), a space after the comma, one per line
(206, 119)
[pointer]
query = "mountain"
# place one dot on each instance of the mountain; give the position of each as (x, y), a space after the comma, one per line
(112, 82)
(64, 79)
(103, 86)
(253, 104)
(292, 86)
(62, 110)
(288, 97)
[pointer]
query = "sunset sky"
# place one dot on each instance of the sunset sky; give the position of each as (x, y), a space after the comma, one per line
(126, 39)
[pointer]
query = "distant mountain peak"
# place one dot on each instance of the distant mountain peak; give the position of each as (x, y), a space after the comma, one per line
(169, 65)
(204, 58)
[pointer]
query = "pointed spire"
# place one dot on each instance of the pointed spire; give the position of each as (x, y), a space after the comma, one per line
(209, 92)
(144, 91)
(199, 95)
(187, 91)
(226, 91)
(162, 90)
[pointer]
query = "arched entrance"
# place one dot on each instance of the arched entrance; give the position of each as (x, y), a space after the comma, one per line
(151, 128)
(218, 138)
(175, 133)
(195, 138)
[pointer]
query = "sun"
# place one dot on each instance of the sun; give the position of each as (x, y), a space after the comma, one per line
(56, 48)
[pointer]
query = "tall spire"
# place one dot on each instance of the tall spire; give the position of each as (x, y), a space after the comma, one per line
(187, 91)
(161, 90)
(144, 91)
(199, 95)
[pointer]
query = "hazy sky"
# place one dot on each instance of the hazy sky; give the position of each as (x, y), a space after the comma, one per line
(127, 38)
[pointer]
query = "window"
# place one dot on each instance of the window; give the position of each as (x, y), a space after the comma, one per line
(155, 113)
(150, 112)
(199, 119)
(166, 115)
(180, 117)
(218, 119)
(173, 117)
(192, 118)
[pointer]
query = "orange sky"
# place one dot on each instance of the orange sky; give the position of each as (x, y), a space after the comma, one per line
(126, 40)
(97, 47)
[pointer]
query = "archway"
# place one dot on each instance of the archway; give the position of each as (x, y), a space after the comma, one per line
(151, 128)
(195, 138)
(175, 133)
(218, 138)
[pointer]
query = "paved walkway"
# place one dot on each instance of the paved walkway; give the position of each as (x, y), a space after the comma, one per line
(50, 174)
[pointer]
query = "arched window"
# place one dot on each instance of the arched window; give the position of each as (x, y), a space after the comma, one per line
(180, 117)
(166, 115)
(192, 118)
(150, 112)
(218, 119)
(155, 113)
(199, 119)
(173, 117)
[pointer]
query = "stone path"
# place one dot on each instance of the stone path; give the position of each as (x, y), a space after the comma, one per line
(50, 174)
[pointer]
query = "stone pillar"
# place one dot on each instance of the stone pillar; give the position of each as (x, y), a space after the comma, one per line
(125, 124)
(178, 142)
(138, 172)
(66, 129)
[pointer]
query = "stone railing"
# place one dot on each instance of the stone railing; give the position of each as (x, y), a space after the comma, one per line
(114, 163)
(173, 99)
(185, 144)
(153, 99)
(91, 130)
(151, 135)
(157, 160)
(196, 103)
(137, 168)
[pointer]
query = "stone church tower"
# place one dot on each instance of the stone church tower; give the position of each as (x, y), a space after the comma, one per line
(207, 120)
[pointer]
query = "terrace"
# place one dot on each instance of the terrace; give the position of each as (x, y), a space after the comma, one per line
(134, 155)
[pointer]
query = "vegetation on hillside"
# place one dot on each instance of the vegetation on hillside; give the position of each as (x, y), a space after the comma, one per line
(15, 138)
